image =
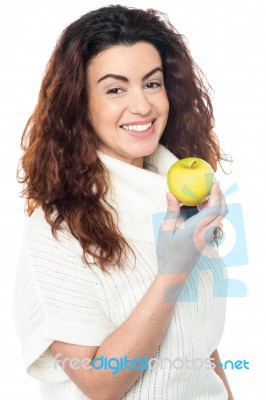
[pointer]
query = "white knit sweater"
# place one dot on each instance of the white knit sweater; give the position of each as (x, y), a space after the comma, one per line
(57, 297)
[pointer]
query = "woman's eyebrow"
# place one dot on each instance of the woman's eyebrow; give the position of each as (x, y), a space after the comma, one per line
(125, 79)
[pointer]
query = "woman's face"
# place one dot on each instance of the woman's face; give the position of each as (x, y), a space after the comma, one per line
(128, 105)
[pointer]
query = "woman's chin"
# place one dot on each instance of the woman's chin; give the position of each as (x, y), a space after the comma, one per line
(145, 149)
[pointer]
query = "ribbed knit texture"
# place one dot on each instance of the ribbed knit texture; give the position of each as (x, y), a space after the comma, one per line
(57, 297)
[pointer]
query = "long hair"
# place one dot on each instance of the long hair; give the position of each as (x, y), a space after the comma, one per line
(61, 170)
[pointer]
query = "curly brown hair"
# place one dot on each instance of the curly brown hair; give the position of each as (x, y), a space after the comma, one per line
(61, 170)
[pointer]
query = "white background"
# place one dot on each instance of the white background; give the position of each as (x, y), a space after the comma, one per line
(227, 40)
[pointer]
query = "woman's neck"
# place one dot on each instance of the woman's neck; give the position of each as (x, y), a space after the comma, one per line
(136, 161)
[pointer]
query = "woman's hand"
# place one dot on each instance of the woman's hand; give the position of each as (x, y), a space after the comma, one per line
(180, 243)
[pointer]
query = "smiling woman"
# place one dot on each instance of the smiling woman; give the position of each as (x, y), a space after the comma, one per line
(134, 98)
(120, 102)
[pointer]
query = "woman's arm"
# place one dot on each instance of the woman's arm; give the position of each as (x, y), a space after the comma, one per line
(139, 336)
(142, 332)
(220, 372)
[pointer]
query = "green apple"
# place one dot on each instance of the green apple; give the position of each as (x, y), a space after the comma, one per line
(190, 180)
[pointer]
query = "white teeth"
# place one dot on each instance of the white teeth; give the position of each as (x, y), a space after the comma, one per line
(138, 128)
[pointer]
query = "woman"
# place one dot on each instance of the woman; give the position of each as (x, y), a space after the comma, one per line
(120, 101)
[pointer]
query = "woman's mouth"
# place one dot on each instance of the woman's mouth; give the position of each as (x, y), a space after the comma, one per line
(139, 130)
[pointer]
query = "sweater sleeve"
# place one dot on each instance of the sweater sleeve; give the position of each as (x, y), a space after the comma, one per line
(56, 297)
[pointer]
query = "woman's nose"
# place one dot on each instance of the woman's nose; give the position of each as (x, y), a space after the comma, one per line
(139, 103)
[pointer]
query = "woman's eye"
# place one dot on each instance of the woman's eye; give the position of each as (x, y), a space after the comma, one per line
(114, 91)
(153, 85)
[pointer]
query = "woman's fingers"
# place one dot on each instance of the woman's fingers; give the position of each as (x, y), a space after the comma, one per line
(173, 210)
(217, 203)
(212, 198)
(212, 213)
(215, 195)
(209, 217)
(202, 205)
(179, 247)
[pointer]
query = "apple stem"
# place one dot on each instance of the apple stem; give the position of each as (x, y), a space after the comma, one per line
(193, 165)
